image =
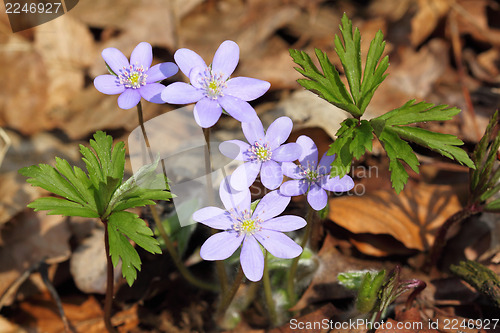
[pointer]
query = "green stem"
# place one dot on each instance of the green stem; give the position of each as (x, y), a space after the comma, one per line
(108, 300)
(177, 259)
(219, 264)
(163, 233)
(229, 295)
(292, 296)
(268, 293)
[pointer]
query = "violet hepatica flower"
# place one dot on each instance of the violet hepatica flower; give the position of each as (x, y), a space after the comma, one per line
(134, 79)
(263, 153)
(242, 226)
(212, 89)
(312, 177)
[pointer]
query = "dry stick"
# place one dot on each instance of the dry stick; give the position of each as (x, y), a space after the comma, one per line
(457, 52)
(219, 264)
(292, 297)
(163, 233)
(108, 300)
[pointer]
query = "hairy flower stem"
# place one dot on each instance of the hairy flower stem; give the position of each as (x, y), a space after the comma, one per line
(219, 264)
(292, 296)
(177, 260)
(108, 301)
(440, 240)
(268, 293)
(227, 298)
(163, 233)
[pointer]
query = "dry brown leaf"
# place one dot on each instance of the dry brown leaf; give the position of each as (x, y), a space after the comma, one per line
(29, 238)
(67, 48)
(84, 314)
(311, 322)
(15, 192)
(23, 100)
(324, 285)
(428, 15)
(412, 217)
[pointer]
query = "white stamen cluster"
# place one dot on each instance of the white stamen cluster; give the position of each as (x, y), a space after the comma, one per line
(310, 173)
(259, 152)
(245, 224)
(133, 76)
(212, 83)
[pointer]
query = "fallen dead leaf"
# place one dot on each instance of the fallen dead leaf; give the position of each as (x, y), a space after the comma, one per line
(27, 239)
(324, 285)
(412, 217)
(312, 322)
(427, 18)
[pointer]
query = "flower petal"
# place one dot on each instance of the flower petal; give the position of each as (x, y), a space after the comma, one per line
(129, 98)
(271, 205)
(253, 131)
(142, 55)
(271, 175)
(226, 58)
(235, 149)
(221, 245)
(207, 213)
(309, 151)
(161, 71)
(294, 187)
(284, 223)
(278, 244)
(237, 108)
(279, 131)
(187, 60)
(108, 84)
(335, 184)
(325, 164)
(234, 199)
(207, 112)
(291, 170)
(115, 59)
(181, 93)
(287, 153)
(317, 197)
(246, 88)
(252, 259)
(213, 217)
(244, 175)
(152, 92)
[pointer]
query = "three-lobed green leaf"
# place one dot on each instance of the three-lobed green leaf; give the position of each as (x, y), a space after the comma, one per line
(101, 193)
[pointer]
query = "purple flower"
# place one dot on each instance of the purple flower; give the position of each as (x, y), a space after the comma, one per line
(240, 225)
(135, 79)
(263, 153)
(312, 177)
(211, 88)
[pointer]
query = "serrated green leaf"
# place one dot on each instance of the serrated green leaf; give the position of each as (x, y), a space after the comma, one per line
(135, 229)
(326, 85)
(362, 140)
(350, 55)
(445, 144)
(373, 76)
(411, 113)
(397, 151)
(353, 280)
(79, 180)
(56, 206)
(47, 177)
(341, 148)
(123, 225)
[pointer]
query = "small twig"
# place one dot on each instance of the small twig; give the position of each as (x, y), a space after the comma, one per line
(53, 292)
(7, 144)
(457, 52)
